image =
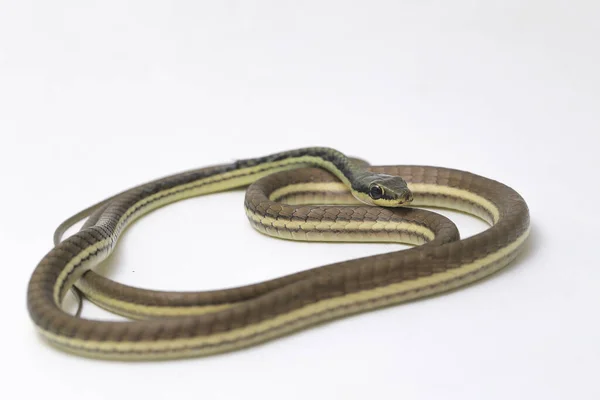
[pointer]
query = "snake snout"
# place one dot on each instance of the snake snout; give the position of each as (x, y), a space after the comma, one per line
(405, 197)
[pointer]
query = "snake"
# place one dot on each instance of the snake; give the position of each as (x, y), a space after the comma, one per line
(305, 194)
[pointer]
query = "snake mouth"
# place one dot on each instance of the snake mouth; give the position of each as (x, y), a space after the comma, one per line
(401, 199)
(398, 200)
(407, 197)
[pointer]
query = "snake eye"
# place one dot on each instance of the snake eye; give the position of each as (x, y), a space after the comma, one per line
(375, 192)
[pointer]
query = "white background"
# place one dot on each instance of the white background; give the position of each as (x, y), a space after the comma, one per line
(96, 97)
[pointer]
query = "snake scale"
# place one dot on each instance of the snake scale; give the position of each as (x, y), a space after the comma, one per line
(310, 194)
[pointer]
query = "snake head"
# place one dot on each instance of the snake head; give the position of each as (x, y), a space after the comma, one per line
(383, 190)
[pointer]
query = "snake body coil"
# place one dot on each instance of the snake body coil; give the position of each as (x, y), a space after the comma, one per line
(285, 199)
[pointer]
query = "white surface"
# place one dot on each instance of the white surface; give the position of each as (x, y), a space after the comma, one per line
(98, 96)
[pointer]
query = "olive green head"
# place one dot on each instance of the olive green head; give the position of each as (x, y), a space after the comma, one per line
(382, 190)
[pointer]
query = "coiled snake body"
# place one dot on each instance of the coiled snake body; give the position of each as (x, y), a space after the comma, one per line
(305, 194)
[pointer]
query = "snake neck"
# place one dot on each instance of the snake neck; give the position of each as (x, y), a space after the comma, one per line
(330, 159)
